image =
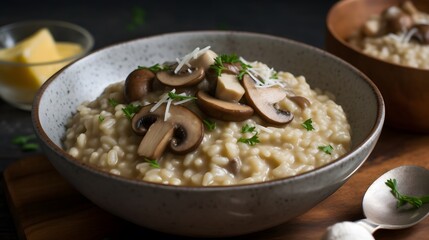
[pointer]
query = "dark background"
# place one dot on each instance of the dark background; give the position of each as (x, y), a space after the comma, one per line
(111, 22)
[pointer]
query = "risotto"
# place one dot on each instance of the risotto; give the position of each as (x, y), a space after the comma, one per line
(241, 122)
(400, 35)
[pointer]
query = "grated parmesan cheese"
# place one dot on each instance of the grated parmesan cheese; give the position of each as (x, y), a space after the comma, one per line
(166, 99)
(265, 129)
(188, 57)
(265, 73)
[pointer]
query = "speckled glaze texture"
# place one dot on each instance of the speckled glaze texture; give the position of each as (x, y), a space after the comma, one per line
(208, 211)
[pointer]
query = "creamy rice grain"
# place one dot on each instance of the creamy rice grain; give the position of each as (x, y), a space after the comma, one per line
(99, 134)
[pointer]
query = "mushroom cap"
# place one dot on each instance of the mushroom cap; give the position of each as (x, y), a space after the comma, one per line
(223, 110)
(186, 134)
(301, 101)
(137, 84)
(402, 22)
(181, 79)
(264, 101)
(422, 33)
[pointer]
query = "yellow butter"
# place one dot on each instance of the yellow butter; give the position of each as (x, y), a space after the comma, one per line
(38, 48)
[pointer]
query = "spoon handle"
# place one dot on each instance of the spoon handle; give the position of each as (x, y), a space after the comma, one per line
(369, 226)
(359, 230)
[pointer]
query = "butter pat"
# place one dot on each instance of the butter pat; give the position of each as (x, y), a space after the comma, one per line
(38, 48)
(228, 88)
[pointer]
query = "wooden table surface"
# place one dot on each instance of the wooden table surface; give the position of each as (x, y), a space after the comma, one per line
(45, 206)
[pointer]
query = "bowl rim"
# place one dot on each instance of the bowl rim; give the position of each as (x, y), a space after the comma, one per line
(372, 135)
(344, 43)
(48, 23)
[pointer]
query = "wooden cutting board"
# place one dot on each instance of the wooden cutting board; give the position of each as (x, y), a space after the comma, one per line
(45, 206)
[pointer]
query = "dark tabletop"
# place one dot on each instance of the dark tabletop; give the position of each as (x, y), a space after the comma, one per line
(111, 22)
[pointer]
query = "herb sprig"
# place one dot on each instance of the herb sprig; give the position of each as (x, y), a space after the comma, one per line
(130, 110)
(404, 199)
(232, 58)
(152, 162)
(247, 128)
(327, 149)
(156, 68)
(178, 97)
(112, 102)
(252, 140)
(308, 124)
(26, 142)
(210, 124)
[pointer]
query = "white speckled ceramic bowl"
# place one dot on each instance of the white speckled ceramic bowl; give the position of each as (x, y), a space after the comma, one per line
(208, 211)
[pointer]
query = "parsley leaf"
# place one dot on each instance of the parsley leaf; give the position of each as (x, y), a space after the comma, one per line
(404, 199)
(210, 125)
(100, 118)
(251, 141)
(245, 68)
(233, 58)
(275, 75)
(156, 68)
(247, 128)
(112, 102)
(130, 110)
(152, 162)
(25, 142)
(327, 149)
(178, 97)
(308, 124)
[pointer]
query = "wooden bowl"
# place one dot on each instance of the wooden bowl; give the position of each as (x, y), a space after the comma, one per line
(404, 89)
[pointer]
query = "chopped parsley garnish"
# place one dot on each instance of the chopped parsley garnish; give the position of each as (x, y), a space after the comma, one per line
(152, 162)
(308, 124)
(404, 199)
(247, 128)
(130, 110)
(178, 97)
(251, 141)
(327, 149)
(275, 75)
(243, 71)
(156, 68)
(233, 58)
(25, 142)
(112, 102)
(100, 118)
(210, 125)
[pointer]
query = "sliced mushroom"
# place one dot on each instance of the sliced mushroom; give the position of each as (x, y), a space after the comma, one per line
(400, 23)
(422, 33)
(137, 84)
(232, 68)
(222, 110)
(182, 132)
(264, 101)
(301, 101)
(183, 78)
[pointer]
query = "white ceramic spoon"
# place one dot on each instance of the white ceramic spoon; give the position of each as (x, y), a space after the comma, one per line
(380, 206)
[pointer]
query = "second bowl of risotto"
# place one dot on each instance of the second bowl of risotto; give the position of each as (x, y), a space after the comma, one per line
(388, 40)
(208, 133)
